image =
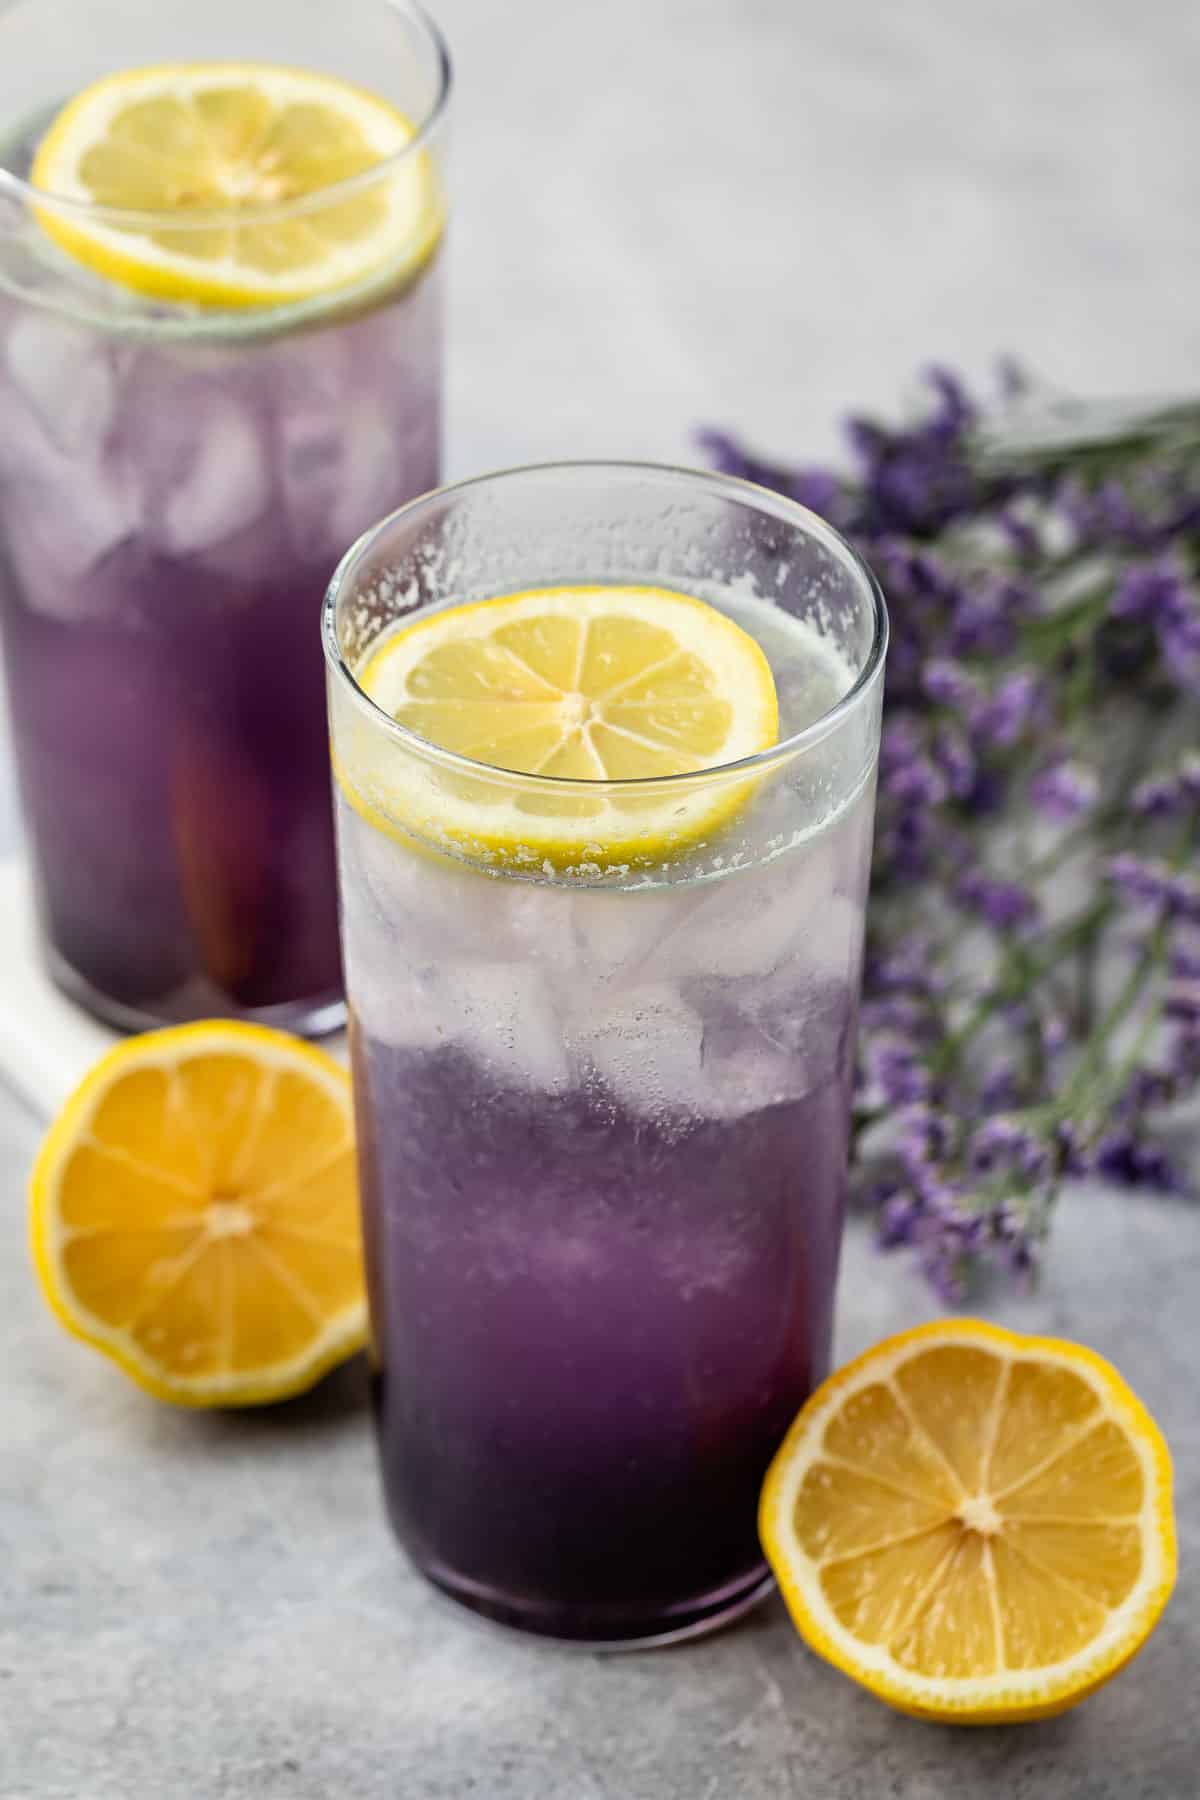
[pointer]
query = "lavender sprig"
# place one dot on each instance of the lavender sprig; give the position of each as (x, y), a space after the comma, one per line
(1031, 1004)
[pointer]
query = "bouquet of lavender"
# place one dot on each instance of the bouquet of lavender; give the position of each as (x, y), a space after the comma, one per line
(1031, 1006)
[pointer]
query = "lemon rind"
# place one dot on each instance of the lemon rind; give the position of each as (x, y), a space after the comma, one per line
(1010, 1695)
(345, 1332)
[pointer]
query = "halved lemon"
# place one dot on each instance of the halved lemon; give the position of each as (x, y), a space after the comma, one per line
(975, 1525)
(214, 140)
(194, 1214)
(587, 684)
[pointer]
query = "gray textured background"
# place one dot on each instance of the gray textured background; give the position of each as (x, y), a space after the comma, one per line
(668, 211)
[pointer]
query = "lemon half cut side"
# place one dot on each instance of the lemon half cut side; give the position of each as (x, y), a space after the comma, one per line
(194, 1214)
(975, 1525)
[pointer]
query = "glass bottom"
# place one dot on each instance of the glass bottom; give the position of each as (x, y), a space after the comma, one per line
(595, 1629)
(313, 1018)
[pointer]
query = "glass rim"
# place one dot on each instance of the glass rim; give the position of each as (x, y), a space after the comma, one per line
(136, 219)
(747, 493)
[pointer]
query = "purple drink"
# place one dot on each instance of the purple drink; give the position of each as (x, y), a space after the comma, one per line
(176, 484)
(602, 1267)
(603, 1112)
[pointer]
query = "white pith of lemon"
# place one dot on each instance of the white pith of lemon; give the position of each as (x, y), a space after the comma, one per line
(583, 684)
(216, 140)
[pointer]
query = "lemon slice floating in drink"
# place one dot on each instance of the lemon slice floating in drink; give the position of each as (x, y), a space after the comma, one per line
(195, 1216)
(580, 684)
(976, 1526)
(215, 140)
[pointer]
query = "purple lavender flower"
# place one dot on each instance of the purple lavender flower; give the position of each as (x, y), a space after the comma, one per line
(1157, 797)
(1004, 904)
(906, 969)
(1013, 706)
(923, 1137)
(894, 1065)
(1003, 1145)
(1065, 790)
(999, 1086)
(1145, 881)
(815, 488)
(1072, 1154)
(1146, 1089)
(1122, 1157)
(1184, 960)
(1183, 1001)
(1020, 533)
(1146, 591)
(1184, 1055)
(986, 618)
(897, 1219)
(956, 760)
(947, 683)
(947, 1267)
(1038, 611)
(1183, 898)
(917, 782)
(1179, 637)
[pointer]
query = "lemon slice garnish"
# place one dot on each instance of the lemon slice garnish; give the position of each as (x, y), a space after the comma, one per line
(226, 138)
(195, 1214)
(975, 1525)
(588, 684)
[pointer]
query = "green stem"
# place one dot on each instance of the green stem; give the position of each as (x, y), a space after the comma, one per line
(1018, 972)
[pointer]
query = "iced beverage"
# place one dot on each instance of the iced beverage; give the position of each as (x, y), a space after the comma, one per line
(602, 1108)
(178, 476)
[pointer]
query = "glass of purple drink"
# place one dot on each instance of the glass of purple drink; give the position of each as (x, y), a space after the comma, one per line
(178, 476)
(602, 1104)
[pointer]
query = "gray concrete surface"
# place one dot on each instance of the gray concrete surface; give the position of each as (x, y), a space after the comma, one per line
(754, 211)
(210, 1608)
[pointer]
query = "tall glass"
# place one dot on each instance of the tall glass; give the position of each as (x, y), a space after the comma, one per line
(602, 1113)
(177, 482)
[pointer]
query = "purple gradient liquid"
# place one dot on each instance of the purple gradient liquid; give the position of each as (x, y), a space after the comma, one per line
(602, 1143)
(171, 509)
(595, 1330)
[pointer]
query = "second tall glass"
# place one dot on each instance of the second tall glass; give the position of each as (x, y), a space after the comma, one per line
(602, 1104)
(178, 477)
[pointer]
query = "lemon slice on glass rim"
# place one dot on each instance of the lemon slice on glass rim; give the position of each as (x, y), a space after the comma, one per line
(164, 159)
(577, 685)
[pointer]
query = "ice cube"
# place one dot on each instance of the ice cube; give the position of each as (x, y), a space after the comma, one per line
(456, 912)
(830, 949)
(617, 932)
(799, 1020)
(645, 1046)
(61, 518)
(63, 374)
(309, 387)
(746, 1072)
(396, 1001)
(503, 1016)
(539, 920)
(747, 923)
(62, 510)
(215, 480)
